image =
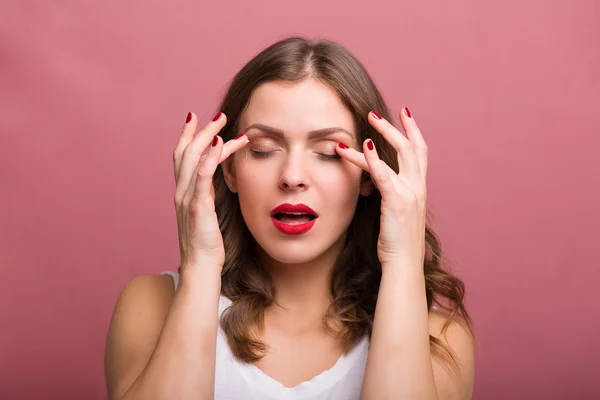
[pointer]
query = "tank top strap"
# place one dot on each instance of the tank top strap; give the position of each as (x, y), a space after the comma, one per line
(173, 275)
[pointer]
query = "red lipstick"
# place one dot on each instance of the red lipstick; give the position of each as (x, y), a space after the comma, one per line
(293, 219)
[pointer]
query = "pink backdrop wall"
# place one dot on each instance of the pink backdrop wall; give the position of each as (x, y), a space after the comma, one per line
(93, 97)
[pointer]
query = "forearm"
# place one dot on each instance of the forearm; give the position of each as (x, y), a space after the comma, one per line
(399, 362)
(182, 365)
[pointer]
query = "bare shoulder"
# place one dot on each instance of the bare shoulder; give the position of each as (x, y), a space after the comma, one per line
(459, 340)
(150, 284)
(135, 326)
(437, 320)
(144, 298)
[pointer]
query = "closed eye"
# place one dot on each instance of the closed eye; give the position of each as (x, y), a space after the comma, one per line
(328, 157)
(331, 157)
(260, 154)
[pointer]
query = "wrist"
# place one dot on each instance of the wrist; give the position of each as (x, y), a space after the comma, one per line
(198, 272)
(403, 267)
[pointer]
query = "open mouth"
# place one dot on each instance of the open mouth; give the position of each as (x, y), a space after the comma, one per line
(294, 218)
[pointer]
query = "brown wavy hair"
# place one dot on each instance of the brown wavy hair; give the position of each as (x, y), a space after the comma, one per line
(357, 272)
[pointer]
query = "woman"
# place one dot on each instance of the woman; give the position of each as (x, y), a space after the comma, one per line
(307, 268)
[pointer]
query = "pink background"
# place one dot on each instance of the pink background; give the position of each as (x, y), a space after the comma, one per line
(93, 97)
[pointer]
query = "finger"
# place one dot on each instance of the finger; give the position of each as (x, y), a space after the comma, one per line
(380, 172)
(206, 170)
(355, 157)
(189, 191)
(416, 138)
(407, 158)
(233, 145)
(200, 186)
(187, 134)
(227, 149)
(194, 151)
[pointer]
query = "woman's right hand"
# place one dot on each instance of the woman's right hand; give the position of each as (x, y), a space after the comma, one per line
(195, 161)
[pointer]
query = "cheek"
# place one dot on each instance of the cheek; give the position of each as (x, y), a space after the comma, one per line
(339, 183)
(250, 179)
(342, 185)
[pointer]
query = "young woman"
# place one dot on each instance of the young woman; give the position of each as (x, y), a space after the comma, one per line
(307, 269)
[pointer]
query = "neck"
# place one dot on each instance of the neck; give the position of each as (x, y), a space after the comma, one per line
(302, 291)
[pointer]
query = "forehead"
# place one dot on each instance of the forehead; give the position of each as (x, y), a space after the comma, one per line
(297, 107)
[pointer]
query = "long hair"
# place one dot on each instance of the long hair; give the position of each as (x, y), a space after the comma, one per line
(357, 273)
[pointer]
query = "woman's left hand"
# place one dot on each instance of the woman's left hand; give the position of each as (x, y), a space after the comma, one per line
(403, 204)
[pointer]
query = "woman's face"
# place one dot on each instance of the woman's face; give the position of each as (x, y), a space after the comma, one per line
(294, 129)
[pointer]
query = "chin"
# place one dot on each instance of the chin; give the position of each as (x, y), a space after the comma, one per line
(297, 251)
(292, 253)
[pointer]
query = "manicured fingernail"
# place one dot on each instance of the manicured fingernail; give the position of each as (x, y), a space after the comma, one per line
(215, 141)
(217, 117)
(238, 136)
(189, 118)
(407, 112)
(370, 144)
(342, 145)
(377, 116)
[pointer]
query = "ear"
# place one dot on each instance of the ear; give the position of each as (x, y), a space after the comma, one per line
(366, 184)
(229, 174)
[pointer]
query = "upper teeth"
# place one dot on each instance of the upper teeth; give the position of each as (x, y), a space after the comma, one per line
(294, 213)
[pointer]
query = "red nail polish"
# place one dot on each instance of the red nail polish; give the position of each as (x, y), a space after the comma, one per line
(370, 144)
(189, 117)
(377, 116)
(342, 145)
(216, 118)
(407, 112)
(215, 141)
(238, 136)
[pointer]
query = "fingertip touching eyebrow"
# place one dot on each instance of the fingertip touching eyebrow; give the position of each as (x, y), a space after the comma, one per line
(314, 134)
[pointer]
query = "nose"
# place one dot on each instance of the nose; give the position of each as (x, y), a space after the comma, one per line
(293, 175)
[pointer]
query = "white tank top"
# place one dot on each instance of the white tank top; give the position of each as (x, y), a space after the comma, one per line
(235, 380)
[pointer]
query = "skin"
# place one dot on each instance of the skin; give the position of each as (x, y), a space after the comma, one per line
(295, 172)
(400, 364)
(154, 328)
(291, 168)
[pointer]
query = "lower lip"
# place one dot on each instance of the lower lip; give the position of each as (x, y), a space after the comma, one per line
(295, 229)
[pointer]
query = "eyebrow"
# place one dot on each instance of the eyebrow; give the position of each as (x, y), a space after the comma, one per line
(315, 134)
